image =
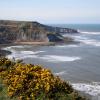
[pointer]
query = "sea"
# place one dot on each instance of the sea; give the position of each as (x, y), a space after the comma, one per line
(78, 63)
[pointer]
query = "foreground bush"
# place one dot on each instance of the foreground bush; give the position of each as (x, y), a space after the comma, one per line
(32, 82)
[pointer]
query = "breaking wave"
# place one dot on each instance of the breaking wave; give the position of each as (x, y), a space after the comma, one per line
(92, 89)
(87, 40)
(36, 54)
(93, 33)
(56, 58)
(61, 73)
(21, 54)
(64, 46)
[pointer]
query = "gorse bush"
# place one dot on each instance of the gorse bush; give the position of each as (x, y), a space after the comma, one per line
(5, 64)
(32, 82)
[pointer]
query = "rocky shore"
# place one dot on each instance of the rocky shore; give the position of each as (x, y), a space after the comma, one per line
(4, 53)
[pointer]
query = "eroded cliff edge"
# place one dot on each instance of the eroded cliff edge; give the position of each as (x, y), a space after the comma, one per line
(24, 31)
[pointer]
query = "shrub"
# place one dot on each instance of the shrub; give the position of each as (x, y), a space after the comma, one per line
(32, 82)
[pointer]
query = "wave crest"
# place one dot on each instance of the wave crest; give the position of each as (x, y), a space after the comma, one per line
(91, 89)
(93, 33)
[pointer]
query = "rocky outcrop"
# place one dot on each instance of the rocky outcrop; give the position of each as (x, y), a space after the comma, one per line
(4, 53)
(22, 31)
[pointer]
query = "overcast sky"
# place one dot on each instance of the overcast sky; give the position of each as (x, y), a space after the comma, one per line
(51, 11)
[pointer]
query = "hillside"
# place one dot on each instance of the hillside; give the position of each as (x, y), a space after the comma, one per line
(24, 31)
(32, 82)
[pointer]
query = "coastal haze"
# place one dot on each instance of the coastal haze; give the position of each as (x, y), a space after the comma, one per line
(78, 63)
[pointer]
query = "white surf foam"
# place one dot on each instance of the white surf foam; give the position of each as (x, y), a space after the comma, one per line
(93, 33)
(30, 52)
(92, 42)
(88, 41)
(91, 89)
(35, 54)
(64, 46)
(21, 54)
(81, 37)
(24, 54)
(61, 46)
(17, 46)
(9, 49)
(73, 45)
(47, 58)
(56, 58)
(60, 73)
(16, 56)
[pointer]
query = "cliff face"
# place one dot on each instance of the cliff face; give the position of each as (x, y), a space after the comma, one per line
(21, 31)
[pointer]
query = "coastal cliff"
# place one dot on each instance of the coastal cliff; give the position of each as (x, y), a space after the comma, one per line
(24, 31)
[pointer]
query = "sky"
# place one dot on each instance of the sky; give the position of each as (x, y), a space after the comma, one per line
(52, 11)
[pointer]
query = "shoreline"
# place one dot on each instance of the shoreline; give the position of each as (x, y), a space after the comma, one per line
(4, 53)
(90, 97)
(40, 43)
(26, 43)
(35, 43)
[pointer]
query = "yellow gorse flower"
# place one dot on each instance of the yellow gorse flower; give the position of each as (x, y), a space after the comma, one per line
(27, 81)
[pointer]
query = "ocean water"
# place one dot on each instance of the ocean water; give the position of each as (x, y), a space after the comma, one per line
(77, 63)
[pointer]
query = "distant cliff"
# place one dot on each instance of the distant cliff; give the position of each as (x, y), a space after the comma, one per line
(24, 31)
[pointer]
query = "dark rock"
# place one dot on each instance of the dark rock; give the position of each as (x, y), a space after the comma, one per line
(54, 38)
(4, 53)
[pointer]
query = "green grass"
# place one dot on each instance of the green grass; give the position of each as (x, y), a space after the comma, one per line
(3, 92)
